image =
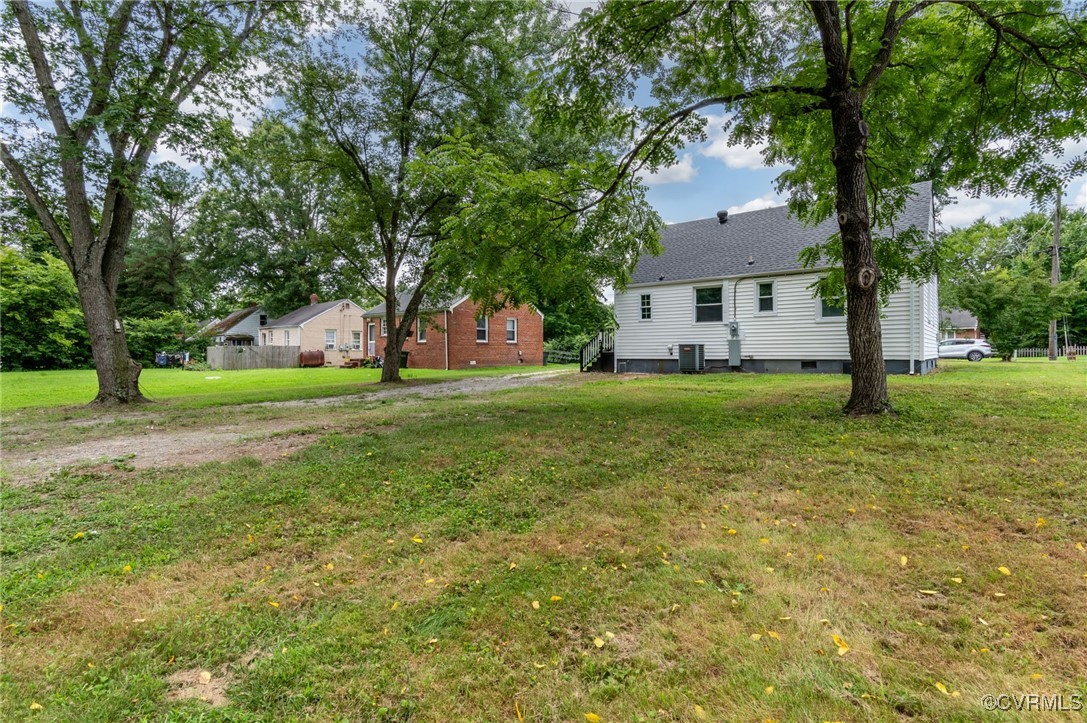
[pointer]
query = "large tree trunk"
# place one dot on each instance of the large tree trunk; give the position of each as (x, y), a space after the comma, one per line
(862, 274)
(118, 374)
(869, 372)
(390, 371)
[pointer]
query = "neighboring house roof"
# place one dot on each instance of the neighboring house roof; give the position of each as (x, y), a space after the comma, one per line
(300, 316)
(771, 238)
(218, 327)
(402, 300)
(959, 319)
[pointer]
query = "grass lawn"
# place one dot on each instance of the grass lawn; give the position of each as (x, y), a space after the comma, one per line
(663, 548)
(192, 389)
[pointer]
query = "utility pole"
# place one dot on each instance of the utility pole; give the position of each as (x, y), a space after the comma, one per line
(1055, 272)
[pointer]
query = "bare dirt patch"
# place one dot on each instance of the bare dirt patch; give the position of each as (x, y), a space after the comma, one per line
(200, 685)
(265, 439)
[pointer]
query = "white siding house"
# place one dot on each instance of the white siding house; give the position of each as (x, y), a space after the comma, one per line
(744, 269)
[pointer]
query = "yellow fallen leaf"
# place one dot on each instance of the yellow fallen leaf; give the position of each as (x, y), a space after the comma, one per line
(535, 604)
(903, 560)
(598, 642)
(1035, 676)
(273, 603)
(701, 525)
(756, 637)
(941, 687)
(555, 598)
(35, 705)
(417, 540)
(699, 712)
(249, 538)
(330, 566)
(1079, 546)
(126, 568)
(609, 635)
(430, 581)
(394, 606)
(843, 647)
(513, 565)
(517, 709)
(592, 718)
(205, 677)
(983, 621)
(764, 540)
(1040, 522)
(773, 635)
(731, 531)
(957, 580)
(769, 689)
(1003, 570)
(139, 620)
(77, 536)
(929, 592)
(819, 558)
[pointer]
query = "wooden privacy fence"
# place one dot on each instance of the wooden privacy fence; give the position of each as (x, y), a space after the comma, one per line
(231, 358)
(1043, 351)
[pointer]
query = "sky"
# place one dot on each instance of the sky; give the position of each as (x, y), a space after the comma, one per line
(713, 176)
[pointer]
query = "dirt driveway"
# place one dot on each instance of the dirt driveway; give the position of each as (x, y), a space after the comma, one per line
(269, 436)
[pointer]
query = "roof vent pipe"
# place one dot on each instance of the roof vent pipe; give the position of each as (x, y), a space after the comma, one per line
(722, 216)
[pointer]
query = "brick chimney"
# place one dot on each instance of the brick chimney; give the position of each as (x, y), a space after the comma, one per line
(312, 299)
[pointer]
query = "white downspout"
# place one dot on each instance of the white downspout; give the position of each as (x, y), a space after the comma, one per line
(913, 332)
(446, 322)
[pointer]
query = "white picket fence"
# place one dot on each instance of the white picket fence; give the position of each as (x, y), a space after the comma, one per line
(1035, 352)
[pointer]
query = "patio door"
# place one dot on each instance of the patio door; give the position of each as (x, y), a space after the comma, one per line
(371, 349)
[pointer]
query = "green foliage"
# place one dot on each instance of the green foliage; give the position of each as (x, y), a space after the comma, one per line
(165, 332)
(39, 313)
(158, 275)
(1001, 274)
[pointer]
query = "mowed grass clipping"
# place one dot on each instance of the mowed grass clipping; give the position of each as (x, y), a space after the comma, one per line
(45, 389)
(721, 547)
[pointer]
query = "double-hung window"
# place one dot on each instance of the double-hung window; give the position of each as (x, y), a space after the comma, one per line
(832, 308)
(764, 297)
(481, 330)
(356, 340)
(511, 331)
(707, 304)
(286, 337)
(420, 332)
(330, 338)
(647, 307)
(384, 328)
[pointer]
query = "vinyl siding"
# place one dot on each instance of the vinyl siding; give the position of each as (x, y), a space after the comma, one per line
(793, 331)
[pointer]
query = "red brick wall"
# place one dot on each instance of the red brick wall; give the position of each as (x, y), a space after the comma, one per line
(463, 347)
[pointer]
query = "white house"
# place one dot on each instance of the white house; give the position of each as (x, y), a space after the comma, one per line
(240, 328)
(732, 289)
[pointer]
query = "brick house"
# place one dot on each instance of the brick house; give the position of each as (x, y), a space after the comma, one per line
(456, 337)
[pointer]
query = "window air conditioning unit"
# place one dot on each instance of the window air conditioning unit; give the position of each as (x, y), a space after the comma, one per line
(692, 358)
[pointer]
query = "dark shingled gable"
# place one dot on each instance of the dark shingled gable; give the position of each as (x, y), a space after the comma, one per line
(707, 249)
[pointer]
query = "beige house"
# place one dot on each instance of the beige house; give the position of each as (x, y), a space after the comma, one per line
(334, 327)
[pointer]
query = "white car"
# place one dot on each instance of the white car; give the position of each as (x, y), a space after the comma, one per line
(972, 349)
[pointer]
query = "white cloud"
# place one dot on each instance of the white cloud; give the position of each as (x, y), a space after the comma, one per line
(733, 156)
(1080, 199)
(163, 154)
(757, 204)
(682, 172)
(967, 210)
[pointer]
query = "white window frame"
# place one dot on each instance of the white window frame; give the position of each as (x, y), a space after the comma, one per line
(508, 330)
(820, 316)
(645, 307)
(486, 329)
(773, 297)
(271, 338)
(329, 346)
(356, 340)
(420, 332)
(286, 337)
(384, 327)
(264, 338)
(695, 305)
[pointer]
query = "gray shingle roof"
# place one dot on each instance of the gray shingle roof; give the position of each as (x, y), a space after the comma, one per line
(221, 326)
(402, 300)
(305, 313)
(772, 238)
(960, 319)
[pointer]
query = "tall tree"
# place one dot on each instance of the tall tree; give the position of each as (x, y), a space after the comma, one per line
(427, 68)
(862, 99)
(269, 227)
(157, 264)
(109, 80)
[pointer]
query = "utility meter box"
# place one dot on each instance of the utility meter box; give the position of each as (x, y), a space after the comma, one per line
(734, 343)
